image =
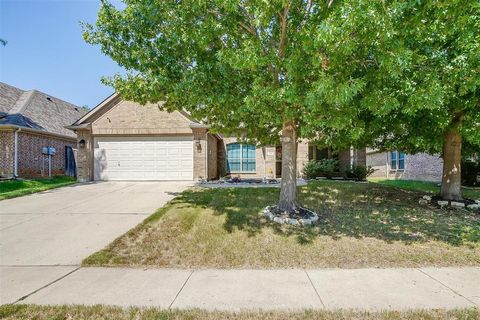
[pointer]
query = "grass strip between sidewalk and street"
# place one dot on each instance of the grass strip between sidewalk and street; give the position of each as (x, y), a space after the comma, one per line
(76, 312)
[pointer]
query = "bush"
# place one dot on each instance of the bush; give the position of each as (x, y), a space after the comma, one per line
(470, 171)
(320, 168)
(359, 172)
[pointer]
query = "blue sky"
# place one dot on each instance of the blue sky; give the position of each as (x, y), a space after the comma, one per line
(45, 50)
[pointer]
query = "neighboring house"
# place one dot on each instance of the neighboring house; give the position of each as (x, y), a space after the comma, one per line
(31, 122)
(399, 165)
(122, 140)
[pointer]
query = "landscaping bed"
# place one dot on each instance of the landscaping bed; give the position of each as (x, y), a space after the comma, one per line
(20, 187)
(11, 312)
(360, 225)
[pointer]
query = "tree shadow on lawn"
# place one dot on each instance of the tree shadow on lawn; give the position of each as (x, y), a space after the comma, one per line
(345, 210)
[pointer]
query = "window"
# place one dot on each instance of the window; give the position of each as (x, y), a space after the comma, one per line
(397, 160)
(240, 157)
(401, 161)
(393, 159)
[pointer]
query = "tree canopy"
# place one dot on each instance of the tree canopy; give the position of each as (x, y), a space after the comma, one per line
(388, 73)
(439, 44)
(248, 66)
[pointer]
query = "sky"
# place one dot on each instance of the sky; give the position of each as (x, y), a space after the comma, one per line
(46, 51)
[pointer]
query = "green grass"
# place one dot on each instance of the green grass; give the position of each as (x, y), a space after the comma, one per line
(109, 312)
(361, 225)
(16, 188)
(429, 187)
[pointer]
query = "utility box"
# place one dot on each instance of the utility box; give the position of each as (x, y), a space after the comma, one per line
(49, 151)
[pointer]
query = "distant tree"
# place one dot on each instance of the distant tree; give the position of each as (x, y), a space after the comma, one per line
(431, 102)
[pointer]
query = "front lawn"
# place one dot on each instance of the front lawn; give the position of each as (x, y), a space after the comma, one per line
(361, 225)
(425, 186)
(108, 312)
(16, 188)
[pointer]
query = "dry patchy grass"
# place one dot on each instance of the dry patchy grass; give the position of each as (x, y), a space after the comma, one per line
(98, 312)
(361, 225)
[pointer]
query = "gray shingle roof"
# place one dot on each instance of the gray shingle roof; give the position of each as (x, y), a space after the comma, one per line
(37, 110)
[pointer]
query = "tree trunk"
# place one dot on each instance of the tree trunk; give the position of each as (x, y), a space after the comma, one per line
(288, 192)
(452, 156)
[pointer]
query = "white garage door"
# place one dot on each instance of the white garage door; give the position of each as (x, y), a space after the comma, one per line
(143, 158)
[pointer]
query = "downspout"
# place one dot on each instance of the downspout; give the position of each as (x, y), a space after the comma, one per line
(264, 151)
(206, 155)
(15, 154)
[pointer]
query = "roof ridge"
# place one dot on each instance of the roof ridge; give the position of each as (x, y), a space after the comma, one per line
(22, 102)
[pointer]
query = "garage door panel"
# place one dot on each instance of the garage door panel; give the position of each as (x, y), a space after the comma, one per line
(143, 158)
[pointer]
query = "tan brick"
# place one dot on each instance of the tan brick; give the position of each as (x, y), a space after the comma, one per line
(419, 166)
(128, 117)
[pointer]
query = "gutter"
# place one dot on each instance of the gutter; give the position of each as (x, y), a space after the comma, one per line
(15, 156)
(198, 125)
(38, 131)
(84, 126)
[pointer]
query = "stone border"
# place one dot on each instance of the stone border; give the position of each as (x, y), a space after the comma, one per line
(287, 220)
(452, 204)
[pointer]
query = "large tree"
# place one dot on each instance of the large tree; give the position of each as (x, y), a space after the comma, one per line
(273, 70)
(431, 103)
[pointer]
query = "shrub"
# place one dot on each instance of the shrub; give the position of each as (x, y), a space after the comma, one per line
(320, 168)
(359, 172)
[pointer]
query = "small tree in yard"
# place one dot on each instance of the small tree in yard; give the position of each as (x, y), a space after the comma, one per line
(432, 102)
(278, 69)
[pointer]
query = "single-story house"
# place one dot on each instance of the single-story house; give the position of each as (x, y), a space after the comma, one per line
(33, 139)
(398, 165)
(123, 140)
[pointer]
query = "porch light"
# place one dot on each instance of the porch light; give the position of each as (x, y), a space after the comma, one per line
(81, 144)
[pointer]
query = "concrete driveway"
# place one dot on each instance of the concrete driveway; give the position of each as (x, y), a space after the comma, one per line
(63, 226)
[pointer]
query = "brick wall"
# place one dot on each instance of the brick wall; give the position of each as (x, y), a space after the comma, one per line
(265, 160)
(222, 161)
(302, 157)
(128, 117)
(345, 158)
(212, 157)
(31, 161)
(6, 153)
(199, 158)
(422, 166)
(84, 156)
(378, 161)
(419, 166)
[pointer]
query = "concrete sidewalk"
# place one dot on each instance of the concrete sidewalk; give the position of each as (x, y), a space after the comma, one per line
(367, 289)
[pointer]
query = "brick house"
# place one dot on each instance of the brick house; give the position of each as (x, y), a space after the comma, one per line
(30, 122)
(398, 165)
(122, 140)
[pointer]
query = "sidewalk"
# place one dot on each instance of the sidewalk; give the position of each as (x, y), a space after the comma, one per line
(368, 289)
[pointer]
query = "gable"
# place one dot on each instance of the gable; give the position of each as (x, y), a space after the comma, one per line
(127, 117)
